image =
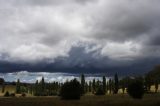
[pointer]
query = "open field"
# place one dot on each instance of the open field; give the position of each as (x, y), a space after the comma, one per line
(89, 100)
(12, 89)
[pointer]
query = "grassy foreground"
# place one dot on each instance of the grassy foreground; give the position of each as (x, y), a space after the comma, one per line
(89, 100)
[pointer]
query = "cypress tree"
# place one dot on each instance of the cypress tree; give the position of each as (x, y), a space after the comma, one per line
(104, 84)
(3, 84)
(107, 86)
(86, 87)
(42, 85)
(156, 86)
(49, 89)
(93, 86)
(83, 83)
(18, 87)
(123, 87)
(148, 82)
(110, 86)
(3, 88)
(116, 84)
(57, 86)
(98, 84)
(90, 86)
(30, 89)
(36, 89)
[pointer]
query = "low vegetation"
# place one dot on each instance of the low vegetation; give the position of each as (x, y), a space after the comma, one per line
(136, 89)
(71, 90)
(87, 100)
(93, 93)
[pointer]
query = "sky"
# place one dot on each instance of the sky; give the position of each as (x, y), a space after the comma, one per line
(79, 36)
(32, 77)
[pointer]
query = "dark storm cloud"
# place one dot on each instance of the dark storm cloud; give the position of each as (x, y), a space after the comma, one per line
(154, 40)
(97, 34)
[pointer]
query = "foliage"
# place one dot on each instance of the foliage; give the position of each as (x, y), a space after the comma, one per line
(83, 83)
(136, 89)
(152, 78)
(71, 90)
(100, 91)
(110, 86)
(7, 94)
(18, 87)
(12, 94)
(93, 86)
(104, 84)
(23, 95)
(90, 86)
(116, 84)
(3, 88)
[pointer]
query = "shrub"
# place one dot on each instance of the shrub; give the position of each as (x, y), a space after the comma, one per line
(6, 94)
(100, 91)
(12, 94)
(71, 90)
(136, 89)
(23, 95)
(53, 93)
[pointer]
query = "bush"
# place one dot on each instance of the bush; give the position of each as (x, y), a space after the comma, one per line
(100, 91)
(136, 89)
(53, 94)
(12, 94)
(6, 94)
(23, 95)
(71, 90)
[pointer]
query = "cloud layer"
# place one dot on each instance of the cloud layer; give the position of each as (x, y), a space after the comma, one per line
(108, 32)
(32, 77)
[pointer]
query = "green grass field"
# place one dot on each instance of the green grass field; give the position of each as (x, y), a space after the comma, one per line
(88, 100)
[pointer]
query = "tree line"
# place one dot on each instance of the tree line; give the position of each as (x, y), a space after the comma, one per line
(134, 86)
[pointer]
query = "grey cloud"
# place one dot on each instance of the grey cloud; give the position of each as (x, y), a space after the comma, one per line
(37, 30)
(126, 20)
(153, 39)
(44, 2)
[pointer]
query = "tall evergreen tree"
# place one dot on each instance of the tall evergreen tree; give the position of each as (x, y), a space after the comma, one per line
(86, 87)
(98, 83)
(18, 87)
(156, 86)
(107, 86)
(104, 84)
(148, 82)
(116, 84)
(123, 86)
(2, 82)
(49, 89)
(93, 86)
(110, 86)
(90, 86)
(83, 83)
(36, 89)
(31, 89)
(42, 85)
(3, 87)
